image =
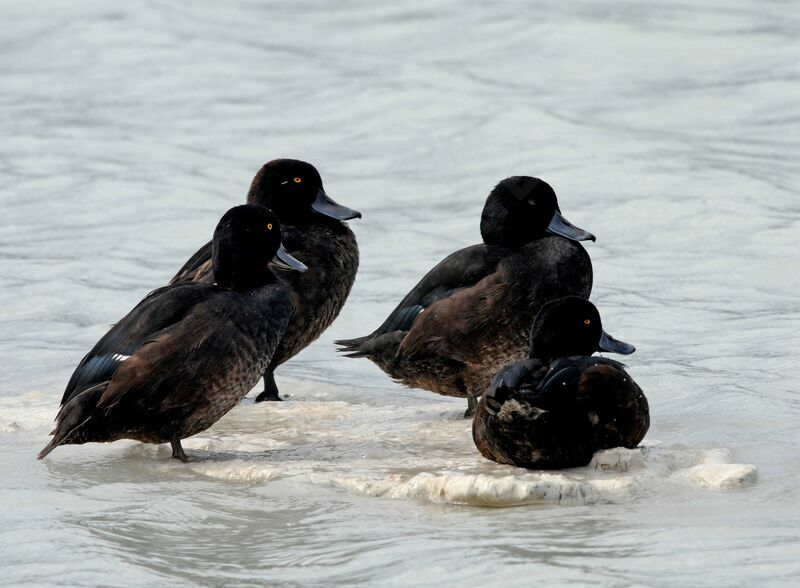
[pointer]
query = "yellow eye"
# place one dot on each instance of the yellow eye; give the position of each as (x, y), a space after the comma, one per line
(298, 180)
(587, 322)
(269, 227)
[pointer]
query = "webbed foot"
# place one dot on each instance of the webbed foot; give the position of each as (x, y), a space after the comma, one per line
(270, 393)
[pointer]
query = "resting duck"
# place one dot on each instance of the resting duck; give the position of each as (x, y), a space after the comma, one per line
(313, 231)
(472, 312)
(186, 354)
(556, 409)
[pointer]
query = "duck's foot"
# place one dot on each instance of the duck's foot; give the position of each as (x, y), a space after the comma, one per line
(472, 404)
(268, 396)
(270, 393)
(177, 450)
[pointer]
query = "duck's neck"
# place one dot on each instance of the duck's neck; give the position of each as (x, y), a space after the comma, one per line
(551, 357)
(502, 228)
(289, 212)
(242, 277)
(550, 349)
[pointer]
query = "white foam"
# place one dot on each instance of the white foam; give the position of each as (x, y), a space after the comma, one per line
(486, 490)
(420, 452)
(716, 472)
(719, 476)
(618, 459)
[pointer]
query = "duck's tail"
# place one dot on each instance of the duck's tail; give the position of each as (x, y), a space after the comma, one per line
(72, 417)
(354, 347)
(380, 350)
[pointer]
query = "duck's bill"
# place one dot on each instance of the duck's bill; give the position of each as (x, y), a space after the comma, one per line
(561, 226)
(324, 205)
(284, 261)
(611, 345)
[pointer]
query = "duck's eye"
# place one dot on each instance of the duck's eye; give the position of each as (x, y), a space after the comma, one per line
(298, 180)
(269, 227)
(587, 322)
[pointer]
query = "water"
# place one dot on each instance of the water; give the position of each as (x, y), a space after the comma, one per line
(669, 130)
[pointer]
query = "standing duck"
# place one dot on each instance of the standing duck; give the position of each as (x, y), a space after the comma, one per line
(186, 354)
(314, 231)
(560, 406)
(472, 312)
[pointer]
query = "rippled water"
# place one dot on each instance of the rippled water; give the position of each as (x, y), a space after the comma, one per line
(671, 130)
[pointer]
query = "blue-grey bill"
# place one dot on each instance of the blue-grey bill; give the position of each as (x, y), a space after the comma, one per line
(284, 261)
(327, 207)
(611, 345)
(561, 226)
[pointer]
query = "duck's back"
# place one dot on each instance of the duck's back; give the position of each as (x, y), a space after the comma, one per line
(559, 415)
(487, 325)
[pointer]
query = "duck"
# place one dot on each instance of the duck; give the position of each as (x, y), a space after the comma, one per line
(562, 404)
(315, 231)
(187, 353)
(473, 310)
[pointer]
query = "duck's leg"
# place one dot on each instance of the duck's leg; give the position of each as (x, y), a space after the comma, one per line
(270, 388)
(472, 404)
(177, 450)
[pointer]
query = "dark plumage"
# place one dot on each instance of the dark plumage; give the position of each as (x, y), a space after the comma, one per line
(313, 231)
(186, 354)
(560, 406)
(472, 312)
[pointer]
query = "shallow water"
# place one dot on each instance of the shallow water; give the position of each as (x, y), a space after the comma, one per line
(671, 131)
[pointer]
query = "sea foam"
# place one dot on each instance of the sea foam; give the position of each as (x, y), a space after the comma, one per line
(397, 452)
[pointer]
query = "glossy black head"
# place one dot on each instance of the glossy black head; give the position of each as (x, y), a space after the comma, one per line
(246, 239)
(522, 209)
(571, 326)
(293, 190)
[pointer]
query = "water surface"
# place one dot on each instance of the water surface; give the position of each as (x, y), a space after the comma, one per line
(671, 130)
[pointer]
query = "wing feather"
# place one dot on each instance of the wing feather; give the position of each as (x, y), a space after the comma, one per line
(197, 268)
(158, 311)
(459, 271)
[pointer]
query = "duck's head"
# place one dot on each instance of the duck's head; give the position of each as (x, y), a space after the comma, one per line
(293, 190)
(522, 209)
(571, 326)
(246, 240)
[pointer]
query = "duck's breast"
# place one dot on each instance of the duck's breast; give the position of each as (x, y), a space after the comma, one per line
(318, 295)
(546, 269)
(233, 358)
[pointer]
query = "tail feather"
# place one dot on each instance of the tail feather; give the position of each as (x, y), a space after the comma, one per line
(73, 416)
(355, 353)
(348, 345)
(381, 350)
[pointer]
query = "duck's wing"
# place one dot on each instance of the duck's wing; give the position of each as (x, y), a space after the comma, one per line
(462, 326)
(197, 269)
(462, 269)
(161, 309)
(154, 378)
(514, 382)
(160, 332)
